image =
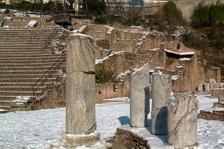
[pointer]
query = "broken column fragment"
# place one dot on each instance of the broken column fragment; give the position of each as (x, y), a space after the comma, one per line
(139, 106)
(161, 93)
(182, 120)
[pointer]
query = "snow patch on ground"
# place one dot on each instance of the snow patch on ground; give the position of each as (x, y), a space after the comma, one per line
(38, 129)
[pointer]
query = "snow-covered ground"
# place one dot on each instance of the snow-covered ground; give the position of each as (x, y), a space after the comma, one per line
(39, 129)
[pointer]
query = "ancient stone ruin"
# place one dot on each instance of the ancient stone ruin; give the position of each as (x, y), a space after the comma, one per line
(139, 106)
(80, 95)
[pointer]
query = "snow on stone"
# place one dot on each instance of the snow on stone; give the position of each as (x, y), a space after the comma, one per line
(110, 29)
(184, 59)
(82, 28)
(122, 75)
(31, 23)
(155, 49)
(174, 77)
(99, 61)
(180, 53)
(38, 129)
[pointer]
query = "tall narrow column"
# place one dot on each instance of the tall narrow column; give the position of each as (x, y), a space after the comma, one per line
(139, 106)
(80, 86)
(182, 120)
(161, 93)
(80, 95)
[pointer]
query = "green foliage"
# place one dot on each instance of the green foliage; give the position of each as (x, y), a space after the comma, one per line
(94, 7)
(7, 11)
(4, 6)
(194, 40)
(102, 76)
(217, 40)
(208, 15)
(170, 16)
(24, 5)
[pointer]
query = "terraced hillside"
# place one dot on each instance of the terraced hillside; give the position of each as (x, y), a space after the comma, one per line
(25, 61)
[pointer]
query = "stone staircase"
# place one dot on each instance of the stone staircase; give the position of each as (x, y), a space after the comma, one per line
(24, 58)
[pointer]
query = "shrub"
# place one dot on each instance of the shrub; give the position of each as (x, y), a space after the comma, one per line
(94, 7)
(170, 16)
(208, 15)
(102, 76)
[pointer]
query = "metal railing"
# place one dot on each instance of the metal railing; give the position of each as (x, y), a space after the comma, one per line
(53, 76)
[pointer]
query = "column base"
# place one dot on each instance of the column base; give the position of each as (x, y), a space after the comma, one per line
(90, 141)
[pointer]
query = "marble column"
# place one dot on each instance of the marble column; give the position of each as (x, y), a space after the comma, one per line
(80, 94)
(182, 120)
(80, 86)
(139, 106)
(161, 93)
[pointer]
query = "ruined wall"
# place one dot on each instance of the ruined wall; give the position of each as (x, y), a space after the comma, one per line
(187, 80)
(127, 140)
(22, 23)
(206, 73)
(112, 90)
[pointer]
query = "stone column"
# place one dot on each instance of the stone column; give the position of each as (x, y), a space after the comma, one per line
(182, 120)
(200, 87)
(139, 106)
(161, 93)
(80, 86)
(207, 87)
(80, 93)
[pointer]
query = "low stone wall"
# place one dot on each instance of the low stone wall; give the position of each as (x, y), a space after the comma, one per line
(127, 140)
(112, 90)
(217, 93)
(215, 115)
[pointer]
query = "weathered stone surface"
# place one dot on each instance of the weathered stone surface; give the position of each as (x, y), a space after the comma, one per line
(207, 87)
(182, 120)
(80, 103)
(80, 85)
(161, 93)
(215, 115)
(200, 88)
(221, 99)
(138, 138)
(90, 141)
(139, 107)
(80, 53)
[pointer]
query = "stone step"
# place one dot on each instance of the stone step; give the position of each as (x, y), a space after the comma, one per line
(18, 93)
(10, 98)
(28, 84)
(3, 111)
(23, 75)
(20, 48)
(21, 52)
(20, 88)
(4, 65)
(32, 57)
(5, 107)
(25, 79)
(23, 71)
(11, 103)
(29, 61)
(29, 55)
(24, 68)
(24, 50)
(41, 45)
